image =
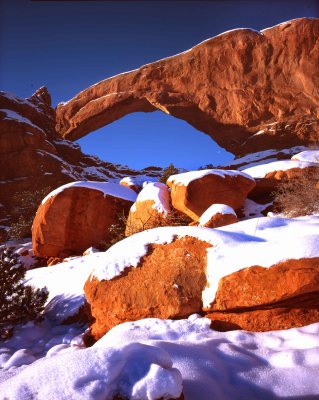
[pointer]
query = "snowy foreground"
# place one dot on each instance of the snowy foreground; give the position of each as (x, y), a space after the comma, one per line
(152, 358)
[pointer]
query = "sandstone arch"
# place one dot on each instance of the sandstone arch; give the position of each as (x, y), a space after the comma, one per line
(231, 87)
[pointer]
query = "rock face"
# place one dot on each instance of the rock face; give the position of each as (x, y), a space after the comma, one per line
(34, 157)
(151, 209)
(74, 219)
(248, 90)
(167, 283)
(218, 215)
(261, 299)
(193, 192)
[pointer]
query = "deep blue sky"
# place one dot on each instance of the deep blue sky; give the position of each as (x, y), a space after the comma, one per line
(70, 45)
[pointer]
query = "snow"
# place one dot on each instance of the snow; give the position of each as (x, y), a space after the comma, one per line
(213, 210)
(112, 189)
(12, 115)
(260, 171)
(187, 177)
(158, 193)
(153, 358)
(307, 155)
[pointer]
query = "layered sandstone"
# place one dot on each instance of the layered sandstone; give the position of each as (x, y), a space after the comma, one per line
(248, 90)
(261, 299)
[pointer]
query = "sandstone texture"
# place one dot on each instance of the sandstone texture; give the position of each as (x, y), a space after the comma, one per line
(261, 299)
(151, 209)
(193, 192)
(75, 219)
(248, 90)
(168, 283)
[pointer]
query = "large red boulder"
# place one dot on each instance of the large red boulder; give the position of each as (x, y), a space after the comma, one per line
(165, 283)
(248, 90)
(77, 216)
(193, 192)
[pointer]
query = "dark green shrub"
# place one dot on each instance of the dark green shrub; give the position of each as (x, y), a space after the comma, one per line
(167, 172)
(28, 202)
(19, 303)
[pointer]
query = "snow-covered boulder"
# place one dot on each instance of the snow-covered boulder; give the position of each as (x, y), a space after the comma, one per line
(78, 215)
(231, 272)
(307, 155)
(151, 209)
(268, 176)
(156, 276)
(218, 215)
(193, 192)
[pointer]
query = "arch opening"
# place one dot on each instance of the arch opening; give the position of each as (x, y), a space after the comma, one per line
(141, 139)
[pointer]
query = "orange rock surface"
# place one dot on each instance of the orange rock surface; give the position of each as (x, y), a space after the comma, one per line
(231, 87)
(262, 299)
(74, 220)
(168, 283)
(195, 197)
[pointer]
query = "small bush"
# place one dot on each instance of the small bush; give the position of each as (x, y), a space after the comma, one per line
(167, 172)
(28, 202)
(19, 303)
(298, 196)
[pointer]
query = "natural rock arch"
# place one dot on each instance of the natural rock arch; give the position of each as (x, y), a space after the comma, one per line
(231, 87)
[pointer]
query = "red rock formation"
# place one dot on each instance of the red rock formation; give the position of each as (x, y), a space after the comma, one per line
(33, 157)
(173, 291)
(231, 87)
(74, 219)
(262, 299)
(192, 196)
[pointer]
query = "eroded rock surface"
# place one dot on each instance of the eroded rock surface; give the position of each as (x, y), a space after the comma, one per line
(261, 299)
(168, 283)
(248, 90)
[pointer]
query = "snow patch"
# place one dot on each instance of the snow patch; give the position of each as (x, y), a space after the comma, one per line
(12, 115)
(108, 188)
(260, 171)
(187, 177)
(308, 156)
(158, 193)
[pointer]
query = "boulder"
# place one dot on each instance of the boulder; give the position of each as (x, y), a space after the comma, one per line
(269, 176)
(261, 299)
(193, 192)
(166, 283)
(77, 216)
(217, 215)
(151, 209)
(248, 90)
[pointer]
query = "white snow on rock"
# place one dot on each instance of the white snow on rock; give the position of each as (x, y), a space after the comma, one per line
(258, 241)
(108, 188)
(307, 155)
(213, 210)
(12, 115)
(156, 192)
(128, 180)
(260, 171)
(187, 177)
